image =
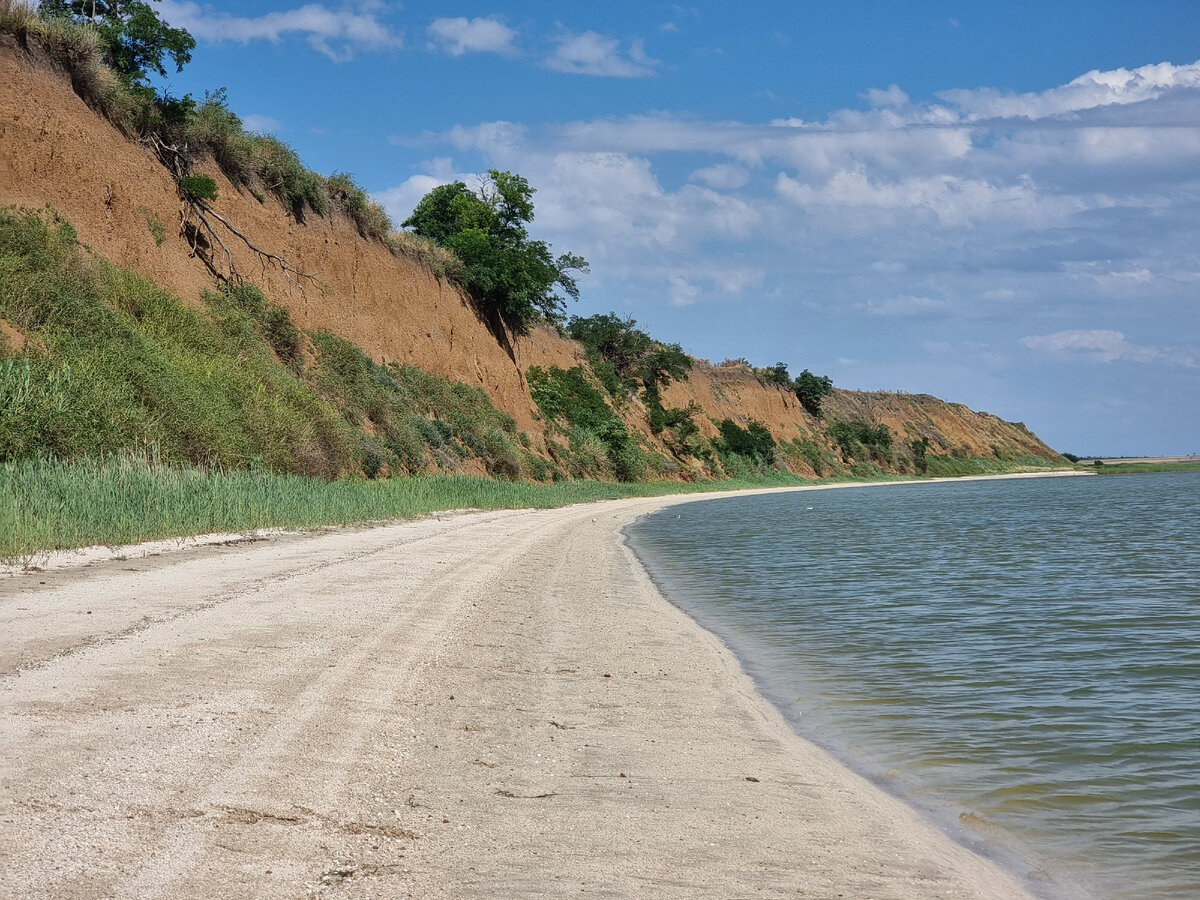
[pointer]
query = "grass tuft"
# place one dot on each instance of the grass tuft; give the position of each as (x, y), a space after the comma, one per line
(439, 260)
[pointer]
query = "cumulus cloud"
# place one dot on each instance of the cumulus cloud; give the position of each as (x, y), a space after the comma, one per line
(460, 35)
(261, 124)
(683, 292)
(592, 53)
(723, 176)
(1068, 202)
(1089, 91)
(337, 33)
(892, 97)
(1107, 346)
(949, 199)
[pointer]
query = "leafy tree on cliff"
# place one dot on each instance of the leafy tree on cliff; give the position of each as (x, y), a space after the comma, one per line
(811, 389)
(615, 348)
(136, 41)
(509, 275)
(622, 355)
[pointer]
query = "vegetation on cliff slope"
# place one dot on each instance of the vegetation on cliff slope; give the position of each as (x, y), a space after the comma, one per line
(512, 278)
(109, 383)
(109, 50)
(113, 363)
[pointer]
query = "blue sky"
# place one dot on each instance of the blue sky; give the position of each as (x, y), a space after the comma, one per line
(996, 203)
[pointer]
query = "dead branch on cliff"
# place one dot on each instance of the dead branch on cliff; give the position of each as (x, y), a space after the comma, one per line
(196, 225)
(201, 212)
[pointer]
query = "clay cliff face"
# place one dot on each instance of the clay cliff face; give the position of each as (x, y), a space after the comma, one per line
(55, 150)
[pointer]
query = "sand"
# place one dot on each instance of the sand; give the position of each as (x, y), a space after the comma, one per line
(484, 704)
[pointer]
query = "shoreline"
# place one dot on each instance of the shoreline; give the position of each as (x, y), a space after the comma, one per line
(223, 722)
(998, 846)
(76, 557)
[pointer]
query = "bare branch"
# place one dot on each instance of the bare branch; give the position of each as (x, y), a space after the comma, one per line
(175, 158)
(294, 275)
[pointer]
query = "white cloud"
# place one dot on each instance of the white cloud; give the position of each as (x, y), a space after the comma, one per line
(460, 35)
(402, 199)
(951, 201)
(1089, 91)
(1107, 346)
(337, 33)
(907, 306)
(892, 97)
(591, 53)
(722, 177)
(877, 211)
(262, 124)
(683, 292)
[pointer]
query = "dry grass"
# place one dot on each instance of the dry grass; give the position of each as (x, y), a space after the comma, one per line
(441, 261)
(76, 47)
(371, 218)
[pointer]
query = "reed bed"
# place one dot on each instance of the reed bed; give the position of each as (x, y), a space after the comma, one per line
(48, 504)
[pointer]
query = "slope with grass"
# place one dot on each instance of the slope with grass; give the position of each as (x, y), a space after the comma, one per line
(57, 151)
(376, 304)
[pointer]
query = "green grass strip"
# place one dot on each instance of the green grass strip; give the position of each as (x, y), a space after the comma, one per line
(1190, 465)
(47, 504)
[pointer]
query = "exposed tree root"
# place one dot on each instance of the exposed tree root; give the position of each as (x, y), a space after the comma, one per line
(196, 219)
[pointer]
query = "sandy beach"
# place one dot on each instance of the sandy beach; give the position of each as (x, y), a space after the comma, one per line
(481, 704)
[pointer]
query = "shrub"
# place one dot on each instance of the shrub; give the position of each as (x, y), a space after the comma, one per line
(817, 456)
(776, 374)
(197, 188)
(920, 449)
(216, 128)
(853, 436)
(591, 424)
(616, 349)
(283, 173)
(753, 442)
(422, 419)
(154, 224)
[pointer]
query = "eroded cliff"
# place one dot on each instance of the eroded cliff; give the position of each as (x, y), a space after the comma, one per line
(56, 151)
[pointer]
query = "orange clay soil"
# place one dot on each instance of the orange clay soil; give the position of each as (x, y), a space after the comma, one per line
(55, 150)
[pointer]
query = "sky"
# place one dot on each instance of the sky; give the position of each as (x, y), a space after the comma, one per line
(994, 203)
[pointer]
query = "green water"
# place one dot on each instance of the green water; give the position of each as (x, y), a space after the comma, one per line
(1018, 658)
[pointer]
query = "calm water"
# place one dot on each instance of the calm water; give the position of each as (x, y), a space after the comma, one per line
(1019, 658)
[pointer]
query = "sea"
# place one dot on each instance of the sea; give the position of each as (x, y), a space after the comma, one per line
(1018, 659)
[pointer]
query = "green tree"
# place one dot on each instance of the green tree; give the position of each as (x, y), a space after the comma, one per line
(509, 275)
(754, 441)
(778, 374)
(811, 389)
(663, 364)
(920, 449)
(855, 436)
(613, 343)
(136, 41)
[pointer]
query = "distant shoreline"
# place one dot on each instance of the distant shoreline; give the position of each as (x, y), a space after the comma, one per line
(1121, 460)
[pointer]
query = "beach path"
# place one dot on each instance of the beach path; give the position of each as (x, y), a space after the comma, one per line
(483, 704)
